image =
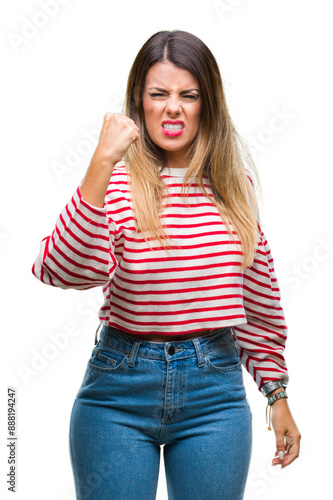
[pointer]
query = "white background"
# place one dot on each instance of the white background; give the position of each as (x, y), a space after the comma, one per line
(58, 81)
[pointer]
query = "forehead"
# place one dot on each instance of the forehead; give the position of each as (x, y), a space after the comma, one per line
(167, 75)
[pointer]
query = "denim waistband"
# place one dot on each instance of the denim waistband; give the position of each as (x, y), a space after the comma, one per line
(174, 349)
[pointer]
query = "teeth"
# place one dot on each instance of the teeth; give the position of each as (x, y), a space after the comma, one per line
(169, 126)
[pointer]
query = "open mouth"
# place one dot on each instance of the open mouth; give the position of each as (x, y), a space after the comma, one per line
(173, 128)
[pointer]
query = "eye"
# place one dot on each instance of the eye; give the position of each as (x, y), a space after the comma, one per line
(187, 97)
(157, 95)
(190, 97)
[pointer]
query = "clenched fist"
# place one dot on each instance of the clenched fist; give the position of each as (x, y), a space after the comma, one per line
(117, 134)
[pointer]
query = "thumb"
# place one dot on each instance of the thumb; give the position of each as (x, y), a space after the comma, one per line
(280, 447)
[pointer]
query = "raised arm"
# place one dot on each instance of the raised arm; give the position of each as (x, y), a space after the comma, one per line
(79, 252)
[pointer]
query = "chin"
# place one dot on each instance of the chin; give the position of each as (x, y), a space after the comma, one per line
(172, 145)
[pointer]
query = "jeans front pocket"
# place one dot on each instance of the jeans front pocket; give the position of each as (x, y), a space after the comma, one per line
(224, 358)
(105, 358)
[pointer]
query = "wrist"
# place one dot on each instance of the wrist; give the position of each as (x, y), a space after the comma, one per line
(275, 391)
(271, 385)
(102, 163)
(101, 159)
(280, 401)
(278, 395)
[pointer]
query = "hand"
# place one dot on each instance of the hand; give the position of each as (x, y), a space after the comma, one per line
(286, 432)
(117, 134)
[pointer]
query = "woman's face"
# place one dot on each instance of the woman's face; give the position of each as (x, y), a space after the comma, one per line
(172, 109)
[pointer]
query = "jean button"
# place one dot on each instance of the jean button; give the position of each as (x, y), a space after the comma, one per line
(171, 350)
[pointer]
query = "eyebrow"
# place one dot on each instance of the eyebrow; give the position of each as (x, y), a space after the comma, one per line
(163, 90)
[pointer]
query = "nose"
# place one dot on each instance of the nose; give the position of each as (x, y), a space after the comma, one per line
(173, 106)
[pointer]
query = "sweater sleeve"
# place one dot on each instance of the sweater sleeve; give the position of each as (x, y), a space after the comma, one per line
(261, 341)
(78, 254)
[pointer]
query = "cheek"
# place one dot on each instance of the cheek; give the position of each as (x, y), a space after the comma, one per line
(194, 114)
(198, 113)
(150, 112)
(146, 105)
(195, 119)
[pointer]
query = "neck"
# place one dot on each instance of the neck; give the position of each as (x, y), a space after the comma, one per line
(176, 160)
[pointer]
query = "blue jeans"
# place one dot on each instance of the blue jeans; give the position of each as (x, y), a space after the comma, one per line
(138, 395)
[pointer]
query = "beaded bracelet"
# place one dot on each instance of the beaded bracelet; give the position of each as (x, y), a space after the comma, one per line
(272, 400)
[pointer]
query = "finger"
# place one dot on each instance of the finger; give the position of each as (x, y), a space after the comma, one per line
(108, 116)
(277, 461)
(280, 450)
(288, 447)
(289, 459)
(278, 458)
(281, 456)
(291, 454)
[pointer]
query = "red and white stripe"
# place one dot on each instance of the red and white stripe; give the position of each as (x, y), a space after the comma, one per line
(197, 286)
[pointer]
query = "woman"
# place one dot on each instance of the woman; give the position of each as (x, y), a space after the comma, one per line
(189, 286)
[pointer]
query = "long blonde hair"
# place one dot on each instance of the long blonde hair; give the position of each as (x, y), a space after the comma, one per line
(219, 152)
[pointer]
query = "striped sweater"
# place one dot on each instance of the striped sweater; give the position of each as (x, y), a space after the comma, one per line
(197, 285)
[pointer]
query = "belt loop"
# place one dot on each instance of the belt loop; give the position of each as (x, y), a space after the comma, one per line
(132, 356)
(99, 326)
(233, 333)
(198, 349)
